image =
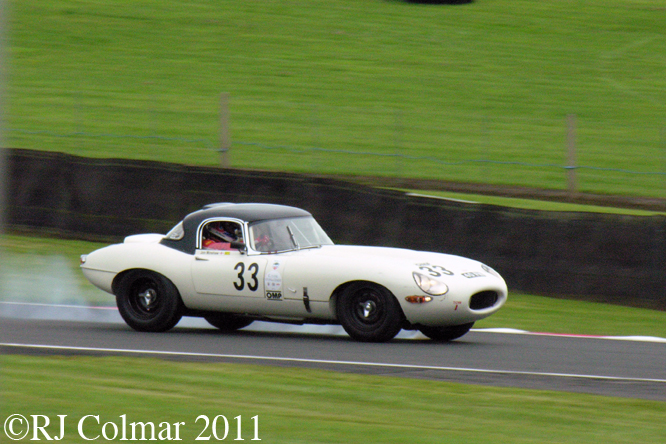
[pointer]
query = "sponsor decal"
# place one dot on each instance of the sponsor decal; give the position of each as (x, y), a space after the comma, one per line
(473, 274)
(273, 278)
(273, 281)
(274, 295)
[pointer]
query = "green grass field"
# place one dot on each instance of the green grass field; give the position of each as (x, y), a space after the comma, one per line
(431, 91)
(314, 406)
(531, 204)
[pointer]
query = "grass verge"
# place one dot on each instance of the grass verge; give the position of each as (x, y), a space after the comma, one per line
(313, 406)
(532, 204)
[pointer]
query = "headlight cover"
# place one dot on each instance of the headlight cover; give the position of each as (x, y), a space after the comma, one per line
(430, 285)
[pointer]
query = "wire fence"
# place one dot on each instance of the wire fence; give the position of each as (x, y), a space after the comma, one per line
(542, 152)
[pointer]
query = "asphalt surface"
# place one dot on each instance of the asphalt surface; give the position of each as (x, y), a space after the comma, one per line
(612, 367)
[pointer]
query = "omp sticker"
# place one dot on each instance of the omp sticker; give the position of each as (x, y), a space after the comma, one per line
(274, 295)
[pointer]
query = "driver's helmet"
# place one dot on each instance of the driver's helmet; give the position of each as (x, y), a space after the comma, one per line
(221, 232)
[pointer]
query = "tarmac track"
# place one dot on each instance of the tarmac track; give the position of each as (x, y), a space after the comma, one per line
(623, 367)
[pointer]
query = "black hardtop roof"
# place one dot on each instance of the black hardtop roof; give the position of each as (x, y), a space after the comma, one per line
(248, 212)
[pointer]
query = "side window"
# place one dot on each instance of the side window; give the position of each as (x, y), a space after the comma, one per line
(221, 235)
(176, 233)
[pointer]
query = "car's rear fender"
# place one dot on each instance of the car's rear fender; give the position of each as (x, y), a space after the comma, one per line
(104, 266)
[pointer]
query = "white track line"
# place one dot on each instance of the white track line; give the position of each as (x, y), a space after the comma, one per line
(41, 304)
(568, 335)
(325, 361)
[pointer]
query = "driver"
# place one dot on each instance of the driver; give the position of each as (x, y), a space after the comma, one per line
(262, 241)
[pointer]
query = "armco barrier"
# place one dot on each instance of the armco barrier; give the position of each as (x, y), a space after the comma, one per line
(611, 258)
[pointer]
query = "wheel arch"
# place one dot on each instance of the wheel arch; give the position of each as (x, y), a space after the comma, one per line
(119, 277)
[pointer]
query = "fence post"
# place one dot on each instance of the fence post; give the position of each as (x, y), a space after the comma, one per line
(572, 180)
(315, 136)
(398, 141)
(225, 139)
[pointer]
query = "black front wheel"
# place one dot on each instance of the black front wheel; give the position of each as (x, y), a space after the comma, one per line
(148, 301)
(369, 312)
(445, 334)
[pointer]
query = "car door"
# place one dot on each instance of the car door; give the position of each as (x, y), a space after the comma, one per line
(228, 273)
(221, 266)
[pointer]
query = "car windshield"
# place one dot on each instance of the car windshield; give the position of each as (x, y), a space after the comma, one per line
(287, 234)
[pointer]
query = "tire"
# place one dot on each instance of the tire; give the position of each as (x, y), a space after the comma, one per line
(369, 312)
(148, 301)
(446, 334)
(228, 322)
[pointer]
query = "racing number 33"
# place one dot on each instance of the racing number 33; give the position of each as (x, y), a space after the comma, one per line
(432, 270)
(253, 283)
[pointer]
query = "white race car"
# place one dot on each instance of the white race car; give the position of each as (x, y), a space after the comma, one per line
(235, 263)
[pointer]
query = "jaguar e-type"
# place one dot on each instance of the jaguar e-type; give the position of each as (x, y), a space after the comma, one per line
(233, 264)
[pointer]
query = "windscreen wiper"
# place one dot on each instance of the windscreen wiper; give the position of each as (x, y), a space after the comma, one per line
(293, 238)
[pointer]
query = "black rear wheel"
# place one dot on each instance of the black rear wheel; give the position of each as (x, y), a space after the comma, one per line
(228, 322)
(445, 334)
(148, 301)
(369, 312)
